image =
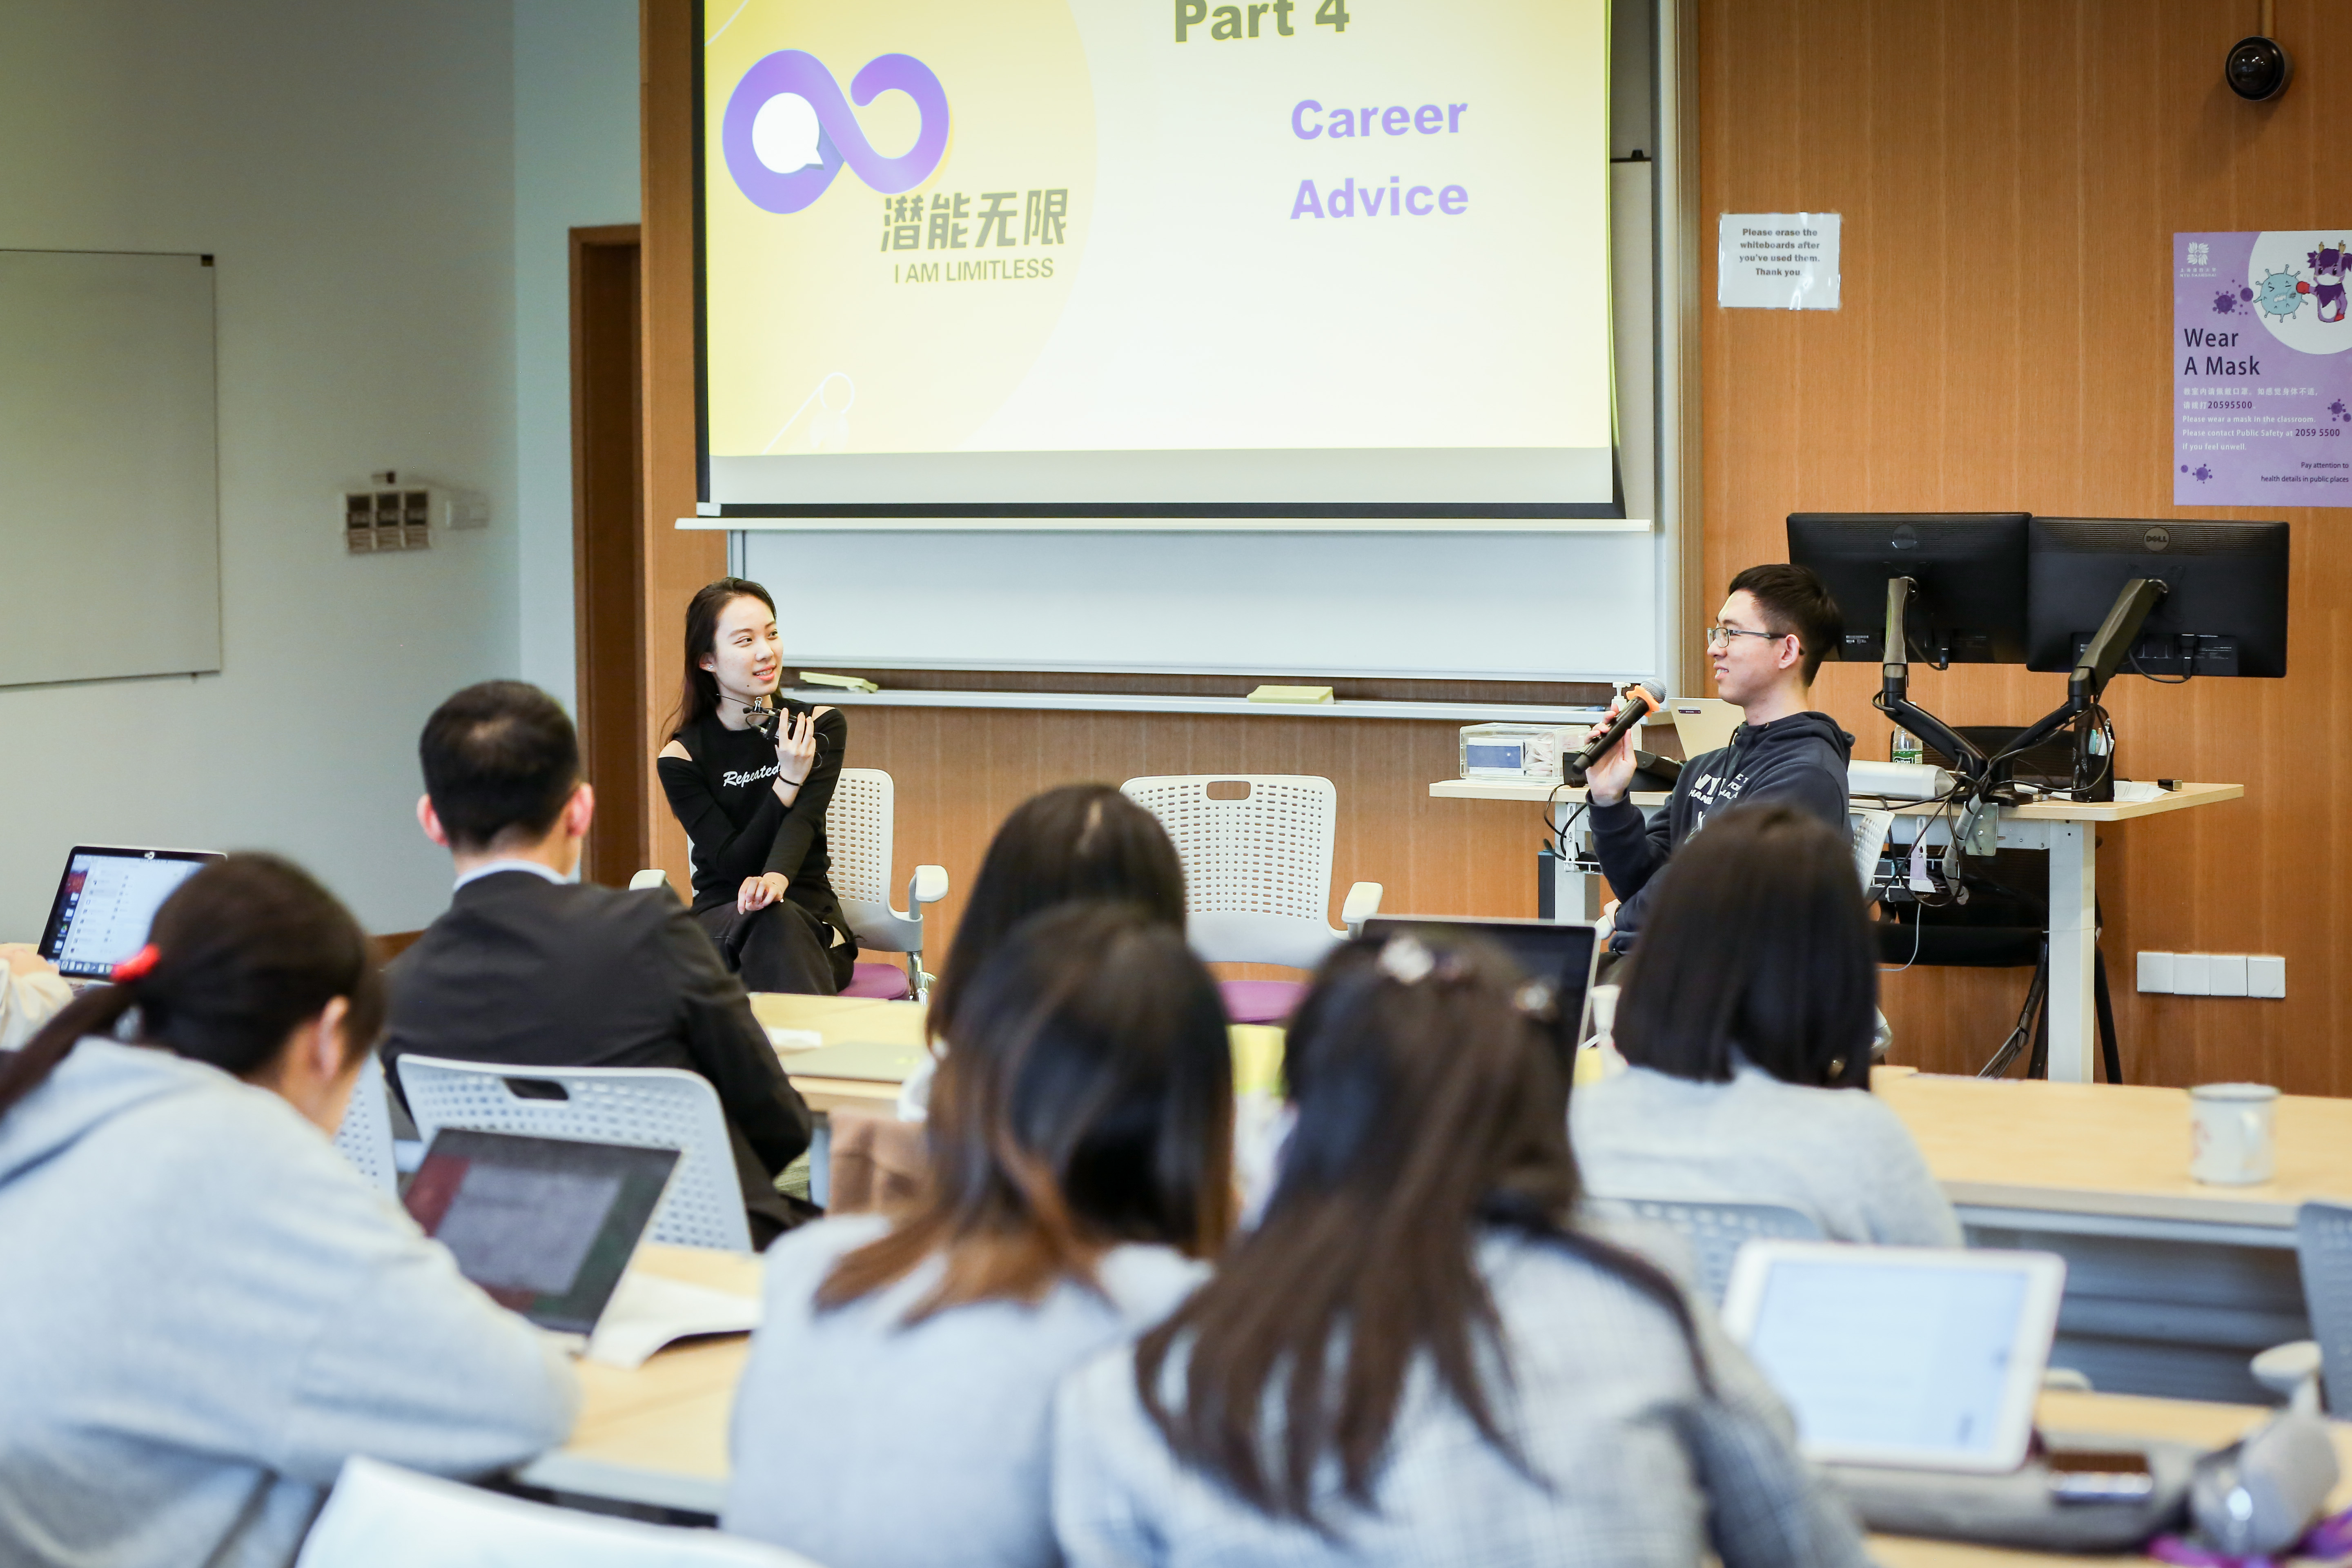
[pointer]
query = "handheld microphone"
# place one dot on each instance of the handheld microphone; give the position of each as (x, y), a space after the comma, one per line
(1642, 698)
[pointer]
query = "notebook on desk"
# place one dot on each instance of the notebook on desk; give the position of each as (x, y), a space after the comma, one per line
(873, 1061)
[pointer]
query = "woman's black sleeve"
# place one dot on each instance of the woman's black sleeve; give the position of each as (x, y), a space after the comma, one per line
(717, 842)
(805, 818)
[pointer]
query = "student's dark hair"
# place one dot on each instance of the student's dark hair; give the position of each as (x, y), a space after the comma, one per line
(1758, 940)
(1080, 841)
(498, 756)
(245, 949)
(1794, 600)
(1432, 1107)
(1086, 1099)
(698, 696)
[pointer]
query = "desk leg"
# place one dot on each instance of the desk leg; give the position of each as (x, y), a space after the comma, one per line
(2073, 949)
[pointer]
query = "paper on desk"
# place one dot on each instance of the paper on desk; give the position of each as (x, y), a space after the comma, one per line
(2138, 790)
(647, 1311)
(788, 1040)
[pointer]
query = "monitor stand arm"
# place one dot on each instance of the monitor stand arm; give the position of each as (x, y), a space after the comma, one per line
(1894, 694)
(2101, 658)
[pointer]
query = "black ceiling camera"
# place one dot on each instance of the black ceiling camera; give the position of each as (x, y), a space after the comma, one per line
(2257, 69)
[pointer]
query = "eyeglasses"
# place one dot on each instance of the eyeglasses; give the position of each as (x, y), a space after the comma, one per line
(1721, 636)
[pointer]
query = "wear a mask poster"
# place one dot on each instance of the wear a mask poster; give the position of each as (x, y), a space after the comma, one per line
(2261, 409)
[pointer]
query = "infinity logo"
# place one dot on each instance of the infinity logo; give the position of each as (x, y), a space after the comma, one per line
(788, 131)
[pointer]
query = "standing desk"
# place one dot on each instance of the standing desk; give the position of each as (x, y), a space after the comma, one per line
(2068, 832)
(657, 1437)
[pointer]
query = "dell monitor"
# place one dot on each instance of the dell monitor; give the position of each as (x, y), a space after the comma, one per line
(2222, 610)
(1968, 604)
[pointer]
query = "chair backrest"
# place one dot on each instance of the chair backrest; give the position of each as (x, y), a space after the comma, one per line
(365, 1136)
(1257, 866)
(381, 1515)
(658, 1108)
(1715, 1232)
(2323, 1246)
(858, 835)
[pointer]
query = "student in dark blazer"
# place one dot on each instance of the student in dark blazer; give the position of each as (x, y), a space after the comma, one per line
(529, 967)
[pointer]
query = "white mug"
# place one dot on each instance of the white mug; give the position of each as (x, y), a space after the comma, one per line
(2229, 1133)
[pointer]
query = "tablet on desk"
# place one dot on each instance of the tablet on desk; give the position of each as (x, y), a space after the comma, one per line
(1920, 1357)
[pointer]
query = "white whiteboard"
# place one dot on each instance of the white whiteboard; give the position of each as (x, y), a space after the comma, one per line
(1550, 607)
(108, 461)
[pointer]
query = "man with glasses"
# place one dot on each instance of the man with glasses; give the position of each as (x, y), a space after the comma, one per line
(1768, 639)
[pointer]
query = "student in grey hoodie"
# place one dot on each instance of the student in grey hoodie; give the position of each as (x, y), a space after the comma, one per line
(1769, 638)
(203, 1308)
(895, 1412)
(1419, 1356)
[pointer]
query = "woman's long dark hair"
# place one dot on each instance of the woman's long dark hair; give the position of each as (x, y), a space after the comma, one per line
(1757, 941)
(1080, 841)
(1431, 1107)
(1086, 1099)
(698, 691)
(246, 950)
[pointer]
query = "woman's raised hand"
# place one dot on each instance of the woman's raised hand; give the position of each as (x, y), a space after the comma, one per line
(796, 748)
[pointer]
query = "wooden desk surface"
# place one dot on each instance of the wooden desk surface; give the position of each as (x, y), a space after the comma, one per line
(2112, 1149)
(2181, 799)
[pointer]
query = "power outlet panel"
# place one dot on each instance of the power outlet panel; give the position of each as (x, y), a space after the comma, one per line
(2258, 974)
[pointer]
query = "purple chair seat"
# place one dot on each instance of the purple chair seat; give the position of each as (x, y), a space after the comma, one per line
(881, 981)
(1260, 1001)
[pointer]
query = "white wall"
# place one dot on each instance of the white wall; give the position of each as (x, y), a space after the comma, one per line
(352, 166)
(575, 167)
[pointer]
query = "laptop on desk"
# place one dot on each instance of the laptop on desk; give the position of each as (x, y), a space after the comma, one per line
(1561, 953)
(106, 901)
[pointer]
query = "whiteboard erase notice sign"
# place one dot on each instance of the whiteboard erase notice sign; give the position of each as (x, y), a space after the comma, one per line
(1776, 261)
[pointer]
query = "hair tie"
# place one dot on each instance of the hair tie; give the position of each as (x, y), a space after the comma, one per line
(136, 966)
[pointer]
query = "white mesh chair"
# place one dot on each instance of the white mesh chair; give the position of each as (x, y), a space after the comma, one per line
(1257, 876)
(658, 1108)
(858, 827)
(365, 1136)
(380, 1516)
(1715, 1231)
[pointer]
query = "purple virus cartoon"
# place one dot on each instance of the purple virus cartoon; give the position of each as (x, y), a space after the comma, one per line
(2342, 414)
(2200, 473)
(2225, 302)
(2327, 265)
(2281, 293)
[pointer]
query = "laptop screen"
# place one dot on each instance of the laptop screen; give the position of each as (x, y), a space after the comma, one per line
(545, 1226)
(1556, 951)
(105, 902)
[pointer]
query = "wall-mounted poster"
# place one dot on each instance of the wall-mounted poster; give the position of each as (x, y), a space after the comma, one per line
(2261, 412)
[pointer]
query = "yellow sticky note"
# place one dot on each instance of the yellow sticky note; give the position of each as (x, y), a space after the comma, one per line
(1291, 694)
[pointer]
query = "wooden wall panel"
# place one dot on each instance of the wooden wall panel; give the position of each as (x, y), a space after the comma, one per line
(2011, 174)
(676, 563)
(958, 771)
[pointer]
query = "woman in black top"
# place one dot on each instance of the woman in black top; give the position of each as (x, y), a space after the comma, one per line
(750, 776)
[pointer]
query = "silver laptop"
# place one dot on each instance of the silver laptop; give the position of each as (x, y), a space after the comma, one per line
(1561, 953)
(107, 900)
(1704, 723)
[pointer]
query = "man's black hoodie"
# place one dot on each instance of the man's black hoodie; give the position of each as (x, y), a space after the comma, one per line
(1800, 759)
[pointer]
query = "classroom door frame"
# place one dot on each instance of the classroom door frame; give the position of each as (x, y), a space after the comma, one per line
(608, 484)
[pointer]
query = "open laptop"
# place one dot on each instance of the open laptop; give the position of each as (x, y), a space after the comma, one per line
(107, 900)
(1913, 1356)
(1704, 724)
(1561, 953)
(546, 1226)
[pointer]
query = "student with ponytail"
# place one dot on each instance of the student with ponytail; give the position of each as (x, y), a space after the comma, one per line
(203, 1308)
(1419, 1355)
